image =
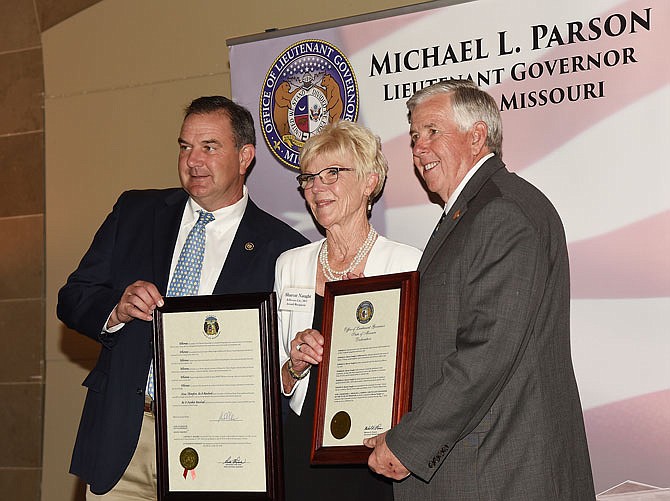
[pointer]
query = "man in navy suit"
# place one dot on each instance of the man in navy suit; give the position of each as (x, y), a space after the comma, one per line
(123, 276)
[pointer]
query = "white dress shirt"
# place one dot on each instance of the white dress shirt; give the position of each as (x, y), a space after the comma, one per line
(219, 238)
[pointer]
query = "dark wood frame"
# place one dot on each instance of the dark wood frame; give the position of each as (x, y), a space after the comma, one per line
(266, 305)
(408, 283)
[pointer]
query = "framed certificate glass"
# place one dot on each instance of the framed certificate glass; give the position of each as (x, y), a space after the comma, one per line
(365, 377)
(218, 409)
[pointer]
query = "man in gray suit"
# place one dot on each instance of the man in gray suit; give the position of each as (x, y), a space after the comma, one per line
(496, 412)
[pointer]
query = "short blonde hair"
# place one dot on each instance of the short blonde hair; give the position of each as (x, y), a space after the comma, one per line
(344, 139)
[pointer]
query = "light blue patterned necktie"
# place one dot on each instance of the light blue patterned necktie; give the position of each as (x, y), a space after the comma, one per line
(186, 278)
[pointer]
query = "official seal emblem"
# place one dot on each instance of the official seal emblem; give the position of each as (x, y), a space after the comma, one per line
(364, 312)
(211, 327)
(310, 84)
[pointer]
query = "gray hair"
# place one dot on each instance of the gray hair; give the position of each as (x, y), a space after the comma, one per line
(470, 104)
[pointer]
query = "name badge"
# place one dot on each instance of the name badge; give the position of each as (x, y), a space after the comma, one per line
(294, 299)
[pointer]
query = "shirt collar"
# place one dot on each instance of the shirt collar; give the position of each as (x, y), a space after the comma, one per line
(235, 210)
(464, 181)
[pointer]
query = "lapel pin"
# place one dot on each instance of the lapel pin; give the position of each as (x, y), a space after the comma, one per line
(456, 215)
(249, 246)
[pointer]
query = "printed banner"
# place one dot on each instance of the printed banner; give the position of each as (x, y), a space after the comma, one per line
(583, 91)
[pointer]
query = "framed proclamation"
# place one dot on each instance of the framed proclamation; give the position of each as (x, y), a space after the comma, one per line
(218, 411)
(365, 378)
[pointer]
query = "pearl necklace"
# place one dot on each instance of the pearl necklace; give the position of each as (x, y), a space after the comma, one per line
(332, 275)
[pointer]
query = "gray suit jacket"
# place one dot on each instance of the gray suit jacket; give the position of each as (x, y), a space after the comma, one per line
(496, 413)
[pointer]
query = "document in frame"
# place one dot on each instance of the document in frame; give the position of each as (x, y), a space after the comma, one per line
(365, 377)
(217, 414)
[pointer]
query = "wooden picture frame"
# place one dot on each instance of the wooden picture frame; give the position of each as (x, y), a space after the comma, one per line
(218, 412)
(365, 378)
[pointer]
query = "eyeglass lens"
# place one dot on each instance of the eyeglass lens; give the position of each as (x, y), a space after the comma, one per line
(327, 176)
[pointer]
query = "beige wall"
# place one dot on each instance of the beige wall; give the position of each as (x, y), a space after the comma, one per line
(117, 76)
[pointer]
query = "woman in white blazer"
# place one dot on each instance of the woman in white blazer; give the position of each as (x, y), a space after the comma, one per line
(343, 171)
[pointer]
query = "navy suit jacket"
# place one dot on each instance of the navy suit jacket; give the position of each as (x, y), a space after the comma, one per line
(136, 242)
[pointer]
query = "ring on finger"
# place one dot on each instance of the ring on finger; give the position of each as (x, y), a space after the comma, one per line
(299, 346)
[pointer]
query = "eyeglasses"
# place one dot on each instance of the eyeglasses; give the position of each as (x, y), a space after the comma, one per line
(328, 175)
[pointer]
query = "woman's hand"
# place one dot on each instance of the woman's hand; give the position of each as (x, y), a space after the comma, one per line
(351, 275)
(306, 350)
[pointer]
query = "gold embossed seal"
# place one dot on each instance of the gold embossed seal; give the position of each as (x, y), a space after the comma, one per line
(188, 458)
(340, 425)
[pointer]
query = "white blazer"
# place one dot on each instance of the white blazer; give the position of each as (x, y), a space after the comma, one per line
(296, 269)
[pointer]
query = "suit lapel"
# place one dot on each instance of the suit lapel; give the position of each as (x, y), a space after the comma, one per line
(167, 219)
(458, 210)
(438, 238)
(241, 251)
